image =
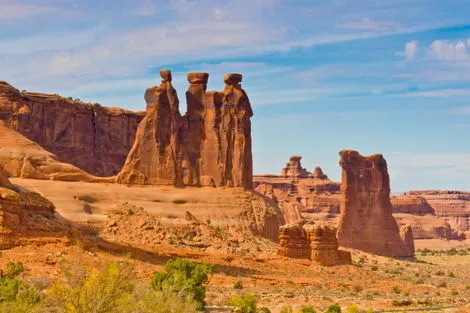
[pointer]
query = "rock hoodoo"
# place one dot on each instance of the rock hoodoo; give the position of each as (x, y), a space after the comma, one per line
(209, 146)
(318, 173)
(366, 221)
(317, 243)
(92, 137)
(294, 168)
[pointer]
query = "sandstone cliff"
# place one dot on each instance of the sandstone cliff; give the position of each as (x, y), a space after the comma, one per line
(366, 221)
(209, 146)
(20, 157)
(92, 137)
(452, 206)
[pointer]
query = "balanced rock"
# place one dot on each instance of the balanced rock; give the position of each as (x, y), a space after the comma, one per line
(366, 221)
(209, 146)
(294, 168)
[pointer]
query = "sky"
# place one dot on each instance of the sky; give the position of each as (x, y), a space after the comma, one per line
(389, 77)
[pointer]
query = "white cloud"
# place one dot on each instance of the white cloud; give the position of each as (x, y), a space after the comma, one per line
(442, 93)
(367, 24)
(13, 11)
(411, 50)
(444, 50)
(146, 9)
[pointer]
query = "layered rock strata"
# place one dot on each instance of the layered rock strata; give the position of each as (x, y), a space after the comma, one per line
(366, 221)
(317, 243)
(208, 146)
(20, 157)
(94, 138)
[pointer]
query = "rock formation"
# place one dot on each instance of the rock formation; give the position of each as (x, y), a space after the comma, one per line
(294, 168)
(318, 243)
(406, 235)
(20, 157)
(92, 137)
(324, 246)
(366, 221)
(25, 214)
(318, 173)
(209, 146)
(450, 205)
(411, 204)
(293, 242)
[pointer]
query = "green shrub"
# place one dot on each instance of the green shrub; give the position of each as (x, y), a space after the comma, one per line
(8, 289)
(335, 308)
(14, 269)
(246, 303)
(307, 309)
(264, 310)
(374, 268)
(287, 309)
(184, 278)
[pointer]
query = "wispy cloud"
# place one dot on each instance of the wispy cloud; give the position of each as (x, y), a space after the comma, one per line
(441, 93)
(146, 9)
(367, 24)
(13, 11)
(411, 50)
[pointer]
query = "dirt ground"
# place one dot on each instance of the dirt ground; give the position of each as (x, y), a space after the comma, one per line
(432, 280)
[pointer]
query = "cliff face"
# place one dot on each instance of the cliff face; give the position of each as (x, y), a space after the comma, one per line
(209, 146)
(452, 206)
(366, 221)
(92, 137)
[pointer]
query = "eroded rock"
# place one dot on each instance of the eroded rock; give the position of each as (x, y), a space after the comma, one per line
(366, 221)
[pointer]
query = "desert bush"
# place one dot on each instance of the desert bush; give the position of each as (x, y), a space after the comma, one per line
(287, 309)
(396, 289)
(264, 310)
(102, 291)
(184, 278)
(246, 303)
(14, 269)
(88, 198)
(374, 268)
(179, 201)
(238, 285)
(307, 309)
(335, 308)
(404, 302)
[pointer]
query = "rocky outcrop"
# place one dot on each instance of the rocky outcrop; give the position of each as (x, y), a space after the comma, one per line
(25, 214)
(318, 173)
(411, 204)
(209, 146)
(4, 181)
(20, 157)
(366, 221)
(293, 242)
(318, 243)
(450, 205)
(324, 246)
(294, 168)
(94, 138)
(406, 235)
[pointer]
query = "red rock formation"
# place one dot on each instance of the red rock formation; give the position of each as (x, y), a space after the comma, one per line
(94, 138)
(294, 168)
(154, 157)
(318, 243)
(318, 173)
(411, 204)
(209, 146)
(293, 242)
(4, 181)
(406, 235)
(452, 206)
(366, 221)
(20, 157)
(324, 246)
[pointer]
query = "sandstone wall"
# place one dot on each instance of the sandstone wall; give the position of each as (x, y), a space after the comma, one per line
(92, 137)
(209, 146)
(366, 221)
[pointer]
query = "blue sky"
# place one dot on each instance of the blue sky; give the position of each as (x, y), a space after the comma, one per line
(376, 76)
